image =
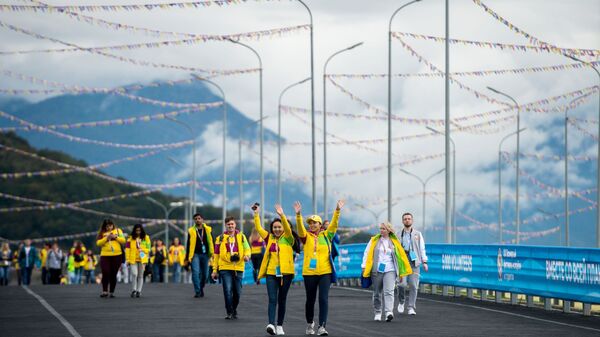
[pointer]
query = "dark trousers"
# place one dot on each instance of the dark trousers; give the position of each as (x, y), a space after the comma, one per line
(277, 288)
(54, 277)
(44, 275)
(110, 267)
(158, 273)
(311, 285)
(232, 289)
(199, 272)
(26, 275)
(256, 261)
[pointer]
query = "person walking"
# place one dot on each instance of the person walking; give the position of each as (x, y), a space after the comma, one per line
(28, 257)
(54, 263)
(159, 261)
(5, 263)
(71, 268)
(78, 253)
(109, 239)
(277, 265)
(16, 254)
(257, 245)
(199, 251)
(318, 269)
(89, 267)
(231, 253)
(43, 258)
(137, 250)
(384, 261)
(176, 259)
(413, 244)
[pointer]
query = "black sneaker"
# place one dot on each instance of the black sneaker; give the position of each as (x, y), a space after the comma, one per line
(104, 295)
(137, 294)
(197, 295)
(111, 295)
(133, 293)
(234, 315)
(229, 316)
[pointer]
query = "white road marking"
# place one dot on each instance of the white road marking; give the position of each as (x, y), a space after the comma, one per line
(58, 316)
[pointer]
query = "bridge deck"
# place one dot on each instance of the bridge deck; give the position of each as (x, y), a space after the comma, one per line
(171, 310)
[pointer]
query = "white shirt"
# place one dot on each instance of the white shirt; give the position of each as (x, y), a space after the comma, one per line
(27, 249)
(385, 254)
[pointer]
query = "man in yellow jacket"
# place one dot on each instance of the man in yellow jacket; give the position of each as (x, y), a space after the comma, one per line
(232, 251)
(199, 250)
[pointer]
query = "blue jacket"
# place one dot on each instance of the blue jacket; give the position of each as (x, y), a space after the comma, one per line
(31, 259)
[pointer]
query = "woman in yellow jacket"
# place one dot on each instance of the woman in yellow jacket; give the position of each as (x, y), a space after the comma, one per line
(384, 261)
(78, 253)
(176, 259)
(277, 265)
(90, 267)
(159, 259)
(231, 253)
(110, 239)
(318, 270)
(137, 250)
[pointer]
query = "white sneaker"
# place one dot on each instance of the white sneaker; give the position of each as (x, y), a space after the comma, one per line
(400, 308)
(271, 329)
(322, 331)
(280, 331)
(411, 311)
(310, 328)
(377, 317)
(389, 317)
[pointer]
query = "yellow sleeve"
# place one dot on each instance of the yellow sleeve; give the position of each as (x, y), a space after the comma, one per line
(247, 250)
(300, 226)
(127, 250)
(333, 225)
(101, 242)
(259, 228)
(216, 258)
(287, 229)
(120, 237)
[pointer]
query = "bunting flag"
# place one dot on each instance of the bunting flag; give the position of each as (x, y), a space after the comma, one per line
(111, 122)
(531, 38)
(127, 59)
(556, 157)
(196, 39)
(125, 8)
(39, 128)
(502, 46)
(584, 131)
(511, 71)
(586, 121)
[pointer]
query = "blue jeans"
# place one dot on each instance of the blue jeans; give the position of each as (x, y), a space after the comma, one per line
(158, 273)
(176, 270)
(277, 288)
(311, 285)
(199, 272)
(78, 273)
(232, 289)
(4, 275)
(26, 275)
(89, 277)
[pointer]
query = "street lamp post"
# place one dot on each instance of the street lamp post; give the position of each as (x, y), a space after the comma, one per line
(261, 137)
(453, 212)
(389, 141)
(598, 162)
(375, 215)
(167, 213)
(556, 217)
(518, 211)
(500, 179)
(424, 184)
(224, 211)
(325, 124)
(279, 187)
(312, 111)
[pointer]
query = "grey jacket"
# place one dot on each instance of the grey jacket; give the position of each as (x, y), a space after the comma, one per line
(54, 260)
(417, 244)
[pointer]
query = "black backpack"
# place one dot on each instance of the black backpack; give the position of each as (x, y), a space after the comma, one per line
(78, 255)
(159, 257)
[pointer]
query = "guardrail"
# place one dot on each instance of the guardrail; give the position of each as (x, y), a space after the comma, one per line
(568, 274)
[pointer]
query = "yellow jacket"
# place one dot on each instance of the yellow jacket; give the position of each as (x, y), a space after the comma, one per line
(192, 241)
(403, 265)
(113, 247)
(90, 264)
(177, 255)
(322, 250)
(81, 263)
(43, 256)
(165, 255)
(279, 251)
(133, 254)
(222, 258)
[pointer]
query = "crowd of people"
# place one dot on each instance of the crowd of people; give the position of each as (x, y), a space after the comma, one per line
(391, 262)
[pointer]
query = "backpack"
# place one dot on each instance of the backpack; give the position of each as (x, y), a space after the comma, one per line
(159, 257)
(78, 255)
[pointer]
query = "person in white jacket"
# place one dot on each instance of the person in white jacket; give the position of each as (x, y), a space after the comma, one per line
(414, 246)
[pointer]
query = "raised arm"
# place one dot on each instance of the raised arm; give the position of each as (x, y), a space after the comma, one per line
(287, 229)
(258, 226)
(299, 221)
(333, 225)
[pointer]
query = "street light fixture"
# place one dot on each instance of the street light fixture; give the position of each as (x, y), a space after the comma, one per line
(325, 209)
(500, 178)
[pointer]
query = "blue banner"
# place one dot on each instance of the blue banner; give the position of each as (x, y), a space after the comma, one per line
(556, 272)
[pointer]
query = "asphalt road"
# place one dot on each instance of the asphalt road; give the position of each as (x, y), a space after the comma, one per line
(171, 310)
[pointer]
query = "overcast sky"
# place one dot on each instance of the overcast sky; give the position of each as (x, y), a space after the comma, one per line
(338, 24)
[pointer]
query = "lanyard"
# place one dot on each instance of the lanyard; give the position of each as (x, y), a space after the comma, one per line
(200, 234)
(231, 244)
(409, 239)
(316, 241)
(137, 243)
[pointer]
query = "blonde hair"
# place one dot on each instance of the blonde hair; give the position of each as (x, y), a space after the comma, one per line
(388, 226)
